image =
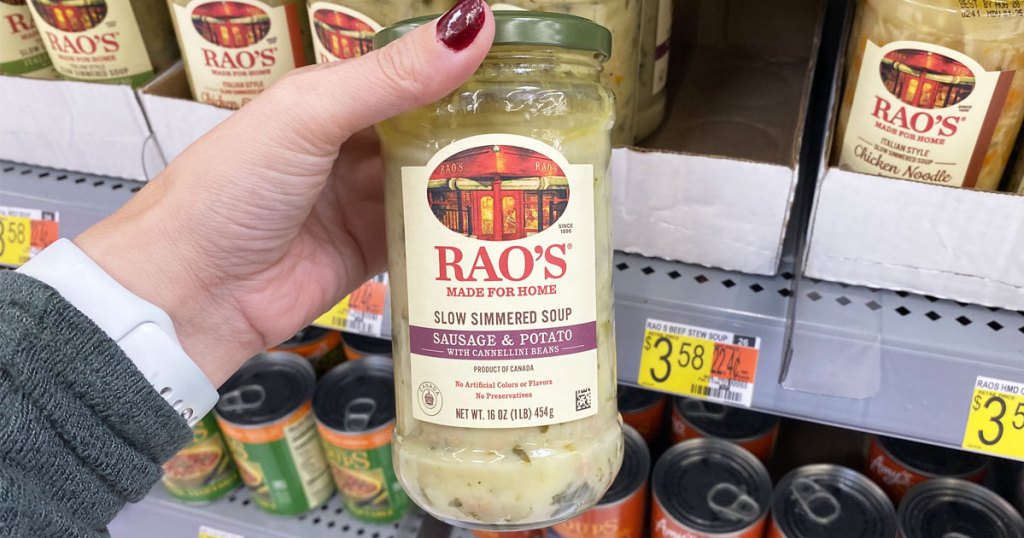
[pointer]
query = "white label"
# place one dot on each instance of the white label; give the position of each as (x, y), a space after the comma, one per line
(662, 46)
(237, 49)
(922, 112)
(93, 40)
(308, 455)
(21, 47)
(340, 33)
(500, 250)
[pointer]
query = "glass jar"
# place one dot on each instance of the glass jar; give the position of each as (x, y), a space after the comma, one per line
(497, 201)
(344, 29)
(622, 19)
(654, 44)
(235, 49)
(931, 93)
(22, 52)
(116, 42)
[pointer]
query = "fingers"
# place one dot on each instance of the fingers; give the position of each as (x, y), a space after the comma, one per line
(326, 104)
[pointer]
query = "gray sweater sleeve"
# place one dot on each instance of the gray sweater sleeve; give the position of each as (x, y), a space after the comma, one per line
(81, 430)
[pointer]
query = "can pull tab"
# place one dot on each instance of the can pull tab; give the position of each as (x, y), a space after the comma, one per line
(817, 503)
(358, 414)
(698, 408)
(730, 502)
(243, 398)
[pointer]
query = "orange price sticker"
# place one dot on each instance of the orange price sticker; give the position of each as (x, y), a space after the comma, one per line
(698, 362)
(361, 312)
(24, 233)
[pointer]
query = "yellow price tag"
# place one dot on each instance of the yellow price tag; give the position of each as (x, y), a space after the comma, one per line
(676, 363)
(208, 532)
(15, 240)
(995, 422)
(335, 318)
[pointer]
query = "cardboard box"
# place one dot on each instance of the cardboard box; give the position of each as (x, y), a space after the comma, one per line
(81, 126)
(902, 235)
(715, 184)
(175, 118)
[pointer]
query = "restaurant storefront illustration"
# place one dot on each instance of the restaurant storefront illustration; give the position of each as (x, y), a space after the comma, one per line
(498, 193)
(344, 36)
(926, 79)
(231, 24)
(71, 15)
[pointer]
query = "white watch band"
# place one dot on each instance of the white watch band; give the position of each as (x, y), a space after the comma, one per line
(141, 329)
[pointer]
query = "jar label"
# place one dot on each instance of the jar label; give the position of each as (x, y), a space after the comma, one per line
(340, 33)
(235, 50)
(924, 113)
(500, 254)
(661, 48)
(21, 47)
(93, 40)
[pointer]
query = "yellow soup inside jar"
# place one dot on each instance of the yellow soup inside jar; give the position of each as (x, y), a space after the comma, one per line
(500, 265)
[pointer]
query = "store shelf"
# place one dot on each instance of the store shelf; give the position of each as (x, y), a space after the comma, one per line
(877, 361)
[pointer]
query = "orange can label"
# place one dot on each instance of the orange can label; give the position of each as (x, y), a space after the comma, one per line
(623, 519)
(761, 446)
(265, 434)
(539, 533)
(774, 532)
(647, 422)
(894, 478)
(665, 526)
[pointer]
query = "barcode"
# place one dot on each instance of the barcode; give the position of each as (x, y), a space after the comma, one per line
(717, 393)
(583, 399)
(369, 325)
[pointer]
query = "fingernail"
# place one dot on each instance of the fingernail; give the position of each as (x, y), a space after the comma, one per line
(459, 26)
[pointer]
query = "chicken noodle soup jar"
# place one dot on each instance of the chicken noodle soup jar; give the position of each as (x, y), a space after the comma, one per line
(113, 41)
(266, 414)
(235, 49)
(933, 92)
(500, 263)
(21, 47)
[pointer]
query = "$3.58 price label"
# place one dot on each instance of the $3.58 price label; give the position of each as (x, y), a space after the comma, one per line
(995, 422)
(24, 233)
(698, 362)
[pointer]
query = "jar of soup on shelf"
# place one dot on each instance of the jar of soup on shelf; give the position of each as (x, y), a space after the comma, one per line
(498, 232)
(344, 29)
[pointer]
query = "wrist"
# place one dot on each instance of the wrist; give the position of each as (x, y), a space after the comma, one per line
(139, 250)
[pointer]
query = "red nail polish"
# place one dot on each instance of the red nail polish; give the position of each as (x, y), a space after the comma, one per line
(459, 26)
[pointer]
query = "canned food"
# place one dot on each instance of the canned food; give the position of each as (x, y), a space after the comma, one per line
(696, 419)
(358, 346)
(830, 501)
(202, 472)
(954, 508)
(897, 465)
(623, 509)
(355, 413)
(266, 414)
(711, 489)
(322, 347)
(644, 410)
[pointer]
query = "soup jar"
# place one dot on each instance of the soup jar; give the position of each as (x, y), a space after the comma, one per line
(497, 201)
(651, 97)
(931, 92)
(116, 41)
(344, 29)
(22, 51)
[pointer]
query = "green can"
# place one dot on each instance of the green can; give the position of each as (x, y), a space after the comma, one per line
(266, 414)
(355, 413)
(203, 471)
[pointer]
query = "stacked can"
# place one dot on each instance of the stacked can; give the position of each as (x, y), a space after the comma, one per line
(266, 414)
(829, 501)
(355, 413)
(898, 465)
(949, 507)
(643, 410)
(697, 419)
(202, 472)
(709, 488)
(358, 346)
(322, 347)
(622, 512)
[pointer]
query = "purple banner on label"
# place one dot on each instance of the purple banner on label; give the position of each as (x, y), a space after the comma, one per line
(503, 345)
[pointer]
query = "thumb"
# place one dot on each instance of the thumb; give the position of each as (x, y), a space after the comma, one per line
(323, 105)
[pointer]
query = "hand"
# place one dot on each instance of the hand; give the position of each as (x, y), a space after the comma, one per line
(275, 215)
